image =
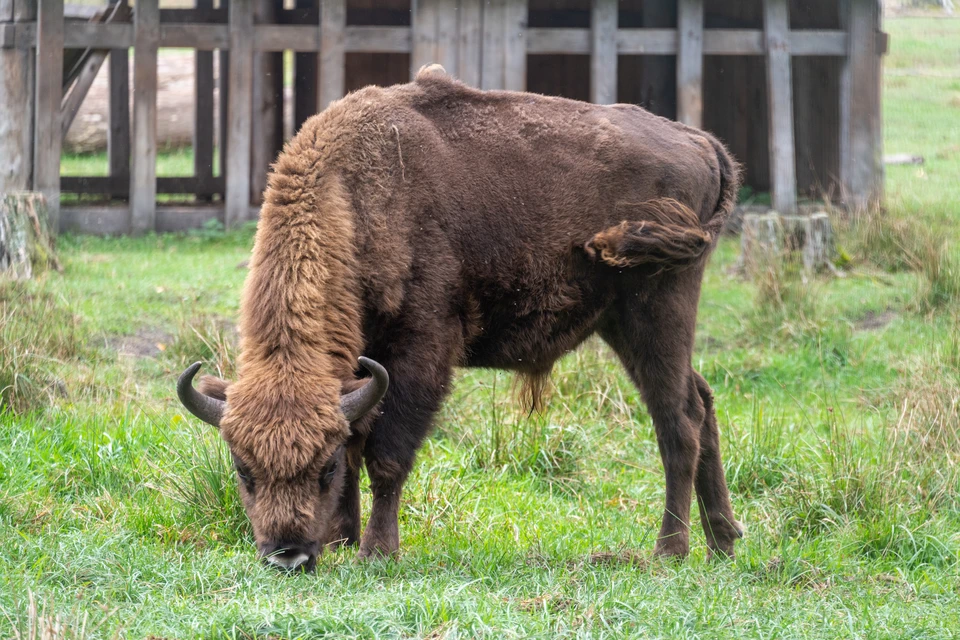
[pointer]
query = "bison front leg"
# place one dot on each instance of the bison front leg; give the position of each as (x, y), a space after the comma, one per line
(418, 385)
(345, 526)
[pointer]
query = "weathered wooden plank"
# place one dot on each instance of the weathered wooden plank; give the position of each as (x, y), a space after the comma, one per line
(17, 94)
(471, 22)
(861, 146)
(332, 81)
(543, 40)
(112, 220)
(515, 45)
(206, 37)
(424, 23)
(366, 39)
(603, 52)
(305, 70)
(6, 10)
(239, 113)
(49, 93)
(267, 130)
(201, 13)
(492, 69)
(70, 104)
(118, 134)
(143, 179)
(203, 111)
(447, 35)
(783, 173)
(119, 187)
(690, 62)
(647, 41)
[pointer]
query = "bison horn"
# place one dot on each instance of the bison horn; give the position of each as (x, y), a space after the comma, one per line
(208, 409)
(356, 403)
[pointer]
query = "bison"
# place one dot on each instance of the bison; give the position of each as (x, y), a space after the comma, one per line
(432, 225)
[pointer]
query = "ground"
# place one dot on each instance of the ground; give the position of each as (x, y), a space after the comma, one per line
(839, 402)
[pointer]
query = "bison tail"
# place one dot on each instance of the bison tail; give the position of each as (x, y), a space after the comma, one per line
(729, 188)
(667, 234)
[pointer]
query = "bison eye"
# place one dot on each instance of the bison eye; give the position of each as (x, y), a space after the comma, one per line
(246, 479)
(327, 476)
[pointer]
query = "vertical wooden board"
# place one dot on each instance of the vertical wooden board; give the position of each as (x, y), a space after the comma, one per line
(267, 105)
(143, 178)
(239, 113)
(603, 56)
(860, 123)
(780, 98)
(49, 92)
(491, 51)
(203, 115)
(690, 62)
(17, 95)
(470, 37)
(333, 21)
(515, 44)
(304, 80)
(424, 22)
(118, 135)
(448, 22)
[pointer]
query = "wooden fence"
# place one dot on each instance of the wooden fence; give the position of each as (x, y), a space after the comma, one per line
(485, 43)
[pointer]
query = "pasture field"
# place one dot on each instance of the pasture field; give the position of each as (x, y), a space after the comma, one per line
(838, 400)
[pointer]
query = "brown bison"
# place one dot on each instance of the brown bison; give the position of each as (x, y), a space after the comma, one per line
(432, 225)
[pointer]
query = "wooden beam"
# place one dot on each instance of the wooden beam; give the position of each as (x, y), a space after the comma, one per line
(116, 186)
(333, 60)
(17, 95)
(492, 69)
(557, 41)
(471, 36)
(143, 179)
(603, 52)
(118, 134)
(305, 72)
(267, 133)
(783, 175)
(448, 36)
(861, 144)
(515, 45)
(71, 102)
(239, 113)
(112, 220)
(203, 110)
(424, 23)
(690, 62)
(49, 93)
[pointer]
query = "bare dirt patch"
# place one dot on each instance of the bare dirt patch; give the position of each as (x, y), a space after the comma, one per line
(871, 320)
(145, 343)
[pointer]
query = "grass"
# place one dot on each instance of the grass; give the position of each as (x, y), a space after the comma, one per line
(838, 400)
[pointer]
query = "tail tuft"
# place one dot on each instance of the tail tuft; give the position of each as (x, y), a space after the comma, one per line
(660, 232)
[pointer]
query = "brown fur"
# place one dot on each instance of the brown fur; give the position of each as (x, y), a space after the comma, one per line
(431, 225)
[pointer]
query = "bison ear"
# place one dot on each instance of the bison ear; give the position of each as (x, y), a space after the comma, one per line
(214, 387)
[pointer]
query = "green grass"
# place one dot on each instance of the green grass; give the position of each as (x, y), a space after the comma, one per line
(838, 399)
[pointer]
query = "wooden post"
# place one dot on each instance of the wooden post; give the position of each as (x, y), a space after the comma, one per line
(143, 181)
(239, 113)
(690, 62)
(305, 80)
(17, 94)
(424, 23)
(333, 56)
(267, 136)
(861, 148)
(203, 111)
(492, 70)
(515, 45)
(468, 58)
(659, 92)
(448, 36)
(49, 93)
(118, 135)
(783, 175)
(603, 52)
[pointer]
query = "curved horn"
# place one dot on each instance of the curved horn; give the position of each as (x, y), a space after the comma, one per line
(356, 403)
(208, 409)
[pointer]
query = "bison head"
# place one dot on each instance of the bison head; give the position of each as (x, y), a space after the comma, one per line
(290, 504)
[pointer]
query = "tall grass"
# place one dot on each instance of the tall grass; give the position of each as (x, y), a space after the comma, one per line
(37, 330)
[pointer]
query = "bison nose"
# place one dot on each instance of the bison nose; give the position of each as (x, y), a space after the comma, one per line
(290, 556)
